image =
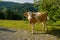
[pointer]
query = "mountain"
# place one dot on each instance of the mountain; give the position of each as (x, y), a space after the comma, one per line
(13, 5)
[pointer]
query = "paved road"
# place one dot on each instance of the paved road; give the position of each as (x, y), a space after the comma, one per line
(13, 34)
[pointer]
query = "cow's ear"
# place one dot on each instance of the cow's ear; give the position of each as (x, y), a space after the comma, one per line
(25, 14)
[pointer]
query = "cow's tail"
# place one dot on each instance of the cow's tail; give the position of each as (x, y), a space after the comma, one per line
(47, 18)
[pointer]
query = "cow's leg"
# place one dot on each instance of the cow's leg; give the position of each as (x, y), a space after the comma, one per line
(32, 27)
(46, 26)
(43, 26)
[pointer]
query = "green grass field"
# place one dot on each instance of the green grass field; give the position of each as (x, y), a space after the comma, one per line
(20, 24)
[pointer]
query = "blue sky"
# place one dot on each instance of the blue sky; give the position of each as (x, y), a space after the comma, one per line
(20, 1)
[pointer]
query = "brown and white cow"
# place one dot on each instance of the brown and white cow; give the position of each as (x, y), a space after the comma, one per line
(37, 17)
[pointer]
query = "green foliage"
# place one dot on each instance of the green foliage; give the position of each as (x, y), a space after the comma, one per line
(50, 6)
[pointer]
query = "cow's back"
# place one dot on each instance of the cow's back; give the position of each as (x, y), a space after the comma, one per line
(42, 16)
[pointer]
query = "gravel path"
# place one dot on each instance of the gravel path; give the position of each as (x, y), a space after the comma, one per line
(12, 34)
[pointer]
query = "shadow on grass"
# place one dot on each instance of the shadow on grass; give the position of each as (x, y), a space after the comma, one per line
(5, 29)
(54, 31)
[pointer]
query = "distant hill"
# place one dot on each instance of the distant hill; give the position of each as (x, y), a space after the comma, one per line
(14, 11)
(14, 6)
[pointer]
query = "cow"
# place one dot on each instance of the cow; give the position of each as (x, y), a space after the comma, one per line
(35, 17)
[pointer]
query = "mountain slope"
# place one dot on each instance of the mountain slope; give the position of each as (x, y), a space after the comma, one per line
(13, 6)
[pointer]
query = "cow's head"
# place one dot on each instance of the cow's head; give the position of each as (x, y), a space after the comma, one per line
(26, 14)
(29, 15)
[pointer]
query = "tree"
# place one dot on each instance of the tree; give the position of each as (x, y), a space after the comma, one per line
(1, 15)
(5, 12)
(50, 6)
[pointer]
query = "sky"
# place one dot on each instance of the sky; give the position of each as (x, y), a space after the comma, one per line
(19, 1)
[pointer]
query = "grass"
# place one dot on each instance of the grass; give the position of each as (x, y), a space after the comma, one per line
(56, 23)
(20, 24)
(14, 24)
